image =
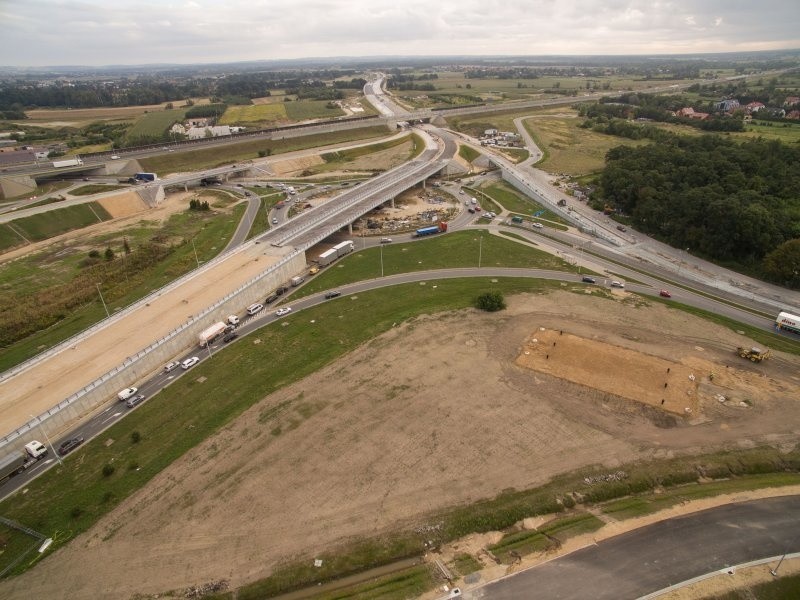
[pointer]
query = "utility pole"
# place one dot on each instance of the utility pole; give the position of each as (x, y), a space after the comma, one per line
(58, 458)
(101, 299)
(480, 249)
(195, 254)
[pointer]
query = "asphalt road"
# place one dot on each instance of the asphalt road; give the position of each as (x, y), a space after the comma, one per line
(649, 559)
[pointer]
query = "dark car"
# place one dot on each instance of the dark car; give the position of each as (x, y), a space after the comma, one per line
(137, 399)
(70, 445)
(622, 228)
(281, 290)
(271, 298)
(587, 279)
(330, 295)
(230, 337)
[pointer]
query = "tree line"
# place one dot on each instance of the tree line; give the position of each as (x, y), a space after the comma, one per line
(729, 201)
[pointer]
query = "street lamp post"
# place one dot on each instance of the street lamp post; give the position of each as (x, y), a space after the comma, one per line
(47, 439)
(381, 260)
(480, 248)
(101, 299)
(195, 254)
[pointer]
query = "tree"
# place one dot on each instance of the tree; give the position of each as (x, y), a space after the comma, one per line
(783, 264)
(126, 246)
(169, 106)
(109, 254)
(490, 301)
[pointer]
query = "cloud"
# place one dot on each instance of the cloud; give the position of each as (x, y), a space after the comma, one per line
(92, 32)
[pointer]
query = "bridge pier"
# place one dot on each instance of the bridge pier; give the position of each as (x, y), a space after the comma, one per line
(350, 229)
(185, 187)
(392, 202)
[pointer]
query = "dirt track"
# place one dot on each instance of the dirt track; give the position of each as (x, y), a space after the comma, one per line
(434, 413)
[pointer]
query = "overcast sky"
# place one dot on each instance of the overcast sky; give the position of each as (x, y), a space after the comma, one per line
(103, 32)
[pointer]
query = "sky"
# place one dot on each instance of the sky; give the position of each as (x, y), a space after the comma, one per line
(105, 32)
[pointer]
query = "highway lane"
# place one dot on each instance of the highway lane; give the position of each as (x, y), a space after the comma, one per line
(657, 556)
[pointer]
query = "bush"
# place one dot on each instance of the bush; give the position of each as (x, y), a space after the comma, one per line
(108, 470)
(135, 437)
(94, 253)
(490, 301)
(76, 512)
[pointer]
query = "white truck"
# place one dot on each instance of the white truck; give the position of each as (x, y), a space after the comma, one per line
(297, 281)
(16, 462)
(343, 248)
(209, 334)
(327, 257)
(71, 162)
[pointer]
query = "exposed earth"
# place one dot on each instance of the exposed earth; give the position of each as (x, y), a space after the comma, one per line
(439, 411)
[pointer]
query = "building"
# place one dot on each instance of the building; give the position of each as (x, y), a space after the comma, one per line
(753, 107)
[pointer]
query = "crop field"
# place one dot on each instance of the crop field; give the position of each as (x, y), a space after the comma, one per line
(262, 114)
(788, 133)
(156, 123)
(311, 109)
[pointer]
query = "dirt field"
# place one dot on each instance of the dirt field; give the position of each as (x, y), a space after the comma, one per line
(433, 413)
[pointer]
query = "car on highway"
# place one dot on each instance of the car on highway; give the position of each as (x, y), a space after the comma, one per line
(274, 220)
(137, 399)
(283, 311)
(170, 366)
(189, 363)
(587, 279)
(126, 393)
(271, 298)
(617, 284)
(334, 294)
(230, 336)
(386, 240)
(69, 445)
(114, 157)
(471, 210)
(665, 294)
(281, 290)
(254, 309)
(538, 225)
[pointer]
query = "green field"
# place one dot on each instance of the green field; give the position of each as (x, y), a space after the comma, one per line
(155, 123)
(444, 251)
(302, 110)
(468, 153)
(88, 190)
(788, 133)
(214, 157)
(61, 220)
(264, 115)
(349, 154)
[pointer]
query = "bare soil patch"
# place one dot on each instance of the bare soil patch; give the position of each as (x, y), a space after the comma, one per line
(123, 205)
(436, 412)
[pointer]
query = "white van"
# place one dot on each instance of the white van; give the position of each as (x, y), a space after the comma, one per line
(127, 393)
(254, 309)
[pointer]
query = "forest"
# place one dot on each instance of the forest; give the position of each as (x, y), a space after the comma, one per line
(737, 203)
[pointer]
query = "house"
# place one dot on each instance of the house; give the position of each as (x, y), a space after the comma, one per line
(490, 132)
(753, 107)
(196, 133)
(795, 114)
(689, 113)
(728, 105)
(791, 100)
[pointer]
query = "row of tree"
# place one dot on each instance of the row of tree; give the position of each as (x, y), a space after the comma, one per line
(729, 201)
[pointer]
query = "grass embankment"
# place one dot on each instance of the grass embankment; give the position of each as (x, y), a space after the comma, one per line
(268, 201)
(51, 223)
(452, 250)
(230, 153)
(783, 588)
(341, 156)
(34, 284)
(468, 153)
(88, 190)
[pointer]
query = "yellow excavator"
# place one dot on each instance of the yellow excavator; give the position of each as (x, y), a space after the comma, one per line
(754, 354)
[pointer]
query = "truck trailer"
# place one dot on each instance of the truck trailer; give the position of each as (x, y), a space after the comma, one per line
(209, 334)
(16, 462)
(788, 322)
(440, 228)
(71, 162)
(327, 257)
(343, 248)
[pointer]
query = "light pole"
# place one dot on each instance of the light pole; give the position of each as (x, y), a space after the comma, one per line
(101, 299)
(195, 254)
(774, 572)
(480, 249)
(47, 439)
(381, 260)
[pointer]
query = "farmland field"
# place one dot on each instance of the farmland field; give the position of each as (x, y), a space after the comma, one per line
(311, 109)
(45, 225)
(156, 123)
(263, 114)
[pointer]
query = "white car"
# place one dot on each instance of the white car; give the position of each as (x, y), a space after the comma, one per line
(114, 157)
(283, 311)
(170, 366)
(127, 393)
(189, 363)
(255, 309)
(617, 284)
(538, 225)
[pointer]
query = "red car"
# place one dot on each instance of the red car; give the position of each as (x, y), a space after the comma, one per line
(665, 294)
